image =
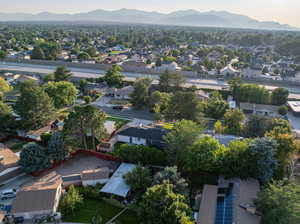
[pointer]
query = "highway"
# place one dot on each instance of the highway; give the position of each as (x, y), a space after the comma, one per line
(94, 73)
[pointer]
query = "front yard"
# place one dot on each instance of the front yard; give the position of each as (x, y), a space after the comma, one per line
(118, 121)
(107, 211)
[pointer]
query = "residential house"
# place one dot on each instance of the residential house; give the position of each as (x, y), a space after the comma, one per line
(134, 64)
(150, 136)
(231, 201)
(9, 167)
(260, 109)
(36, 134)
(229, 70)
(124, 93)
(170, 66)
(40, 197)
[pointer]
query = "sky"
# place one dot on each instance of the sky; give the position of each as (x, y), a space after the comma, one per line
(283, 11)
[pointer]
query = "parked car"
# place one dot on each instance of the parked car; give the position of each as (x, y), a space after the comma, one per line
(48, 218)
(7, 194)
(118, 107)
(19, 220)
(6, 208)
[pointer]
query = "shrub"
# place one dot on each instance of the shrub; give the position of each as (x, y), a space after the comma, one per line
(141, 154)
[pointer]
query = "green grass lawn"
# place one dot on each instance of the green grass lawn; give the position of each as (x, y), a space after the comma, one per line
(107, 211)
(119, 121)
(116, 52)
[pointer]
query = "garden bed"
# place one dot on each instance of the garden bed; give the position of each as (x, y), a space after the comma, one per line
(107, 211)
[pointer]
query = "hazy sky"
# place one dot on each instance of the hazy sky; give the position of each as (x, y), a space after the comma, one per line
(283, 11)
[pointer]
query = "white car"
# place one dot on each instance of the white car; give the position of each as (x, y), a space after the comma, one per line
(7, 194)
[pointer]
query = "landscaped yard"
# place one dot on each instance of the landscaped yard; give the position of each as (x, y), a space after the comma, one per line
(107, 211)
(119, 121)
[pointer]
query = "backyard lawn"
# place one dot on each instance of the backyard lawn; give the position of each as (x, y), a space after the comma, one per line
(107, 211)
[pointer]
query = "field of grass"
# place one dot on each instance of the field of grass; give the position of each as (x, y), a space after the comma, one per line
(119, 121)
(91, 207)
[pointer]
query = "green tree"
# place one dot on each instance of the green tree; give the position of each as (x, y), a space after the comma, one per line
(70, 202)
(161, 205)
(280, 123)
(139, 178)
(263, 160)
(286, 147)
(87, 99)
(183, 134)
(237, 160)
(113, 76)
(2, 54)
(62, 74)
(140, 94)
(38, 53)
(83, 56)
(62, 93)
(202, 155)
(216, 107)
(4, 87)
(172, 176)
(57, 149)
(218, 127)
(233, 121)
(84, 121)
(279, 96)
(169, 82)
(184, 105)
(158, 103)
(34, 106)
(83, 85)
(256, 126)
(92, 51)
(6, 117)
(49, 78)
(279, 203)
(283, 110)
(141, 154)
(34, 158)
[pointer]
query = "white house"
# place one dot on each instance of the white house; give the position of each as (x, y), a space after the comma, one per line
(142, 136)
(260, 109)
(229, 70)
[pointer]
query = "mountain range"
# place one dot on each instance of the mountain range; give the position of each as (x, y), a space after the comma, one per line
(181, 18)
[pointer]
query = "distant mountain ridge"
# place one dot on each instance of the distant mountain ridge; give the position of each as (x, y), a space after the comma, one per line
(183, 17)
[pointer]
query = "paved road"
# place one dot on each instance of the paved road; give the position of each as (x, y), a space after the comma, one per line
(94, 73)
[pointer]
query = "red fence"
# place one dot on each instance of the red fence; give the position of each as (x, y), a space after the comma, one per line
(100, 155)
(25, 139)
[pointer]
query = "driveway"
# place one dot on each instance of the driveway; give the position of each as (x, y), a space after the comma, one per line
(295, 121)
(15, 184)
(81, 163)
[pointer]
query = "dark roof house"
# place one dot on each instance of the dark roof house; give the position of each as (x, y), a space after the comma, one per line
(143, 136)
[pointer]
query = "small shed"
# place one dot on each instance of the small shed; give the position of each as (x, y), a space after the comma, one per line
(93, 177)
